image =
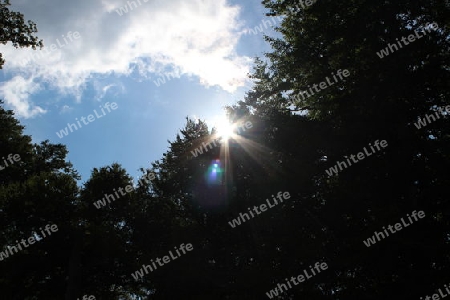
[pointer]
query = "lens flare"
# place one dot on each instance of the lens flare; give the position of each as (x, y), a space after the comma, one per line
(224, 129)
(215, 173)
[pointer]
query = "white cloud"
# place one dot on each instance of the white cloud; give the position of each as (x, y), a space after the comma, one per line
(17, 92)
(196, 38)
(66, 109)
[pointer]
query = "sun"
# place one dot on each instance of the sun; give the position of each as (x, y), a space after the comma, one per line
(224, 129)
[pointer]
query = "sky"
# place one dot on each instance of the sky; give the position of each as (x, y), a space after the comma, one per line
(126, 74)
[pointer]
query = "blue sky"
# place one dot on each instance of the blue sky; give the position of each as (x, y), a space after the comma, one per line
(205, 44)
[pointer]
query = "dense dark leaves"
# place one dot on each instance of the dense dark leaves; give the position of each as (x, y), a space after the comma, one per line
(292, 142)
(14, 29)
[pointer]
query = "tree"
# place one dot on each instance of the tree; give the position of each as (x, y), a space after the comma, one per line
(14, 29)
(293, 142)
(381, 99)
(40, 189)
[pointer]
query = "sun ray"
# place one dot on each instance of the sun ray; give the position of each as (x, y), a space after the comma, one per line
(225, 130)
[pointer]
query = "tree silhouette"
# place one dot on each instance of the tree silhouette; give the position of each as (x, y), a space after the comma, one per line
(14, 29)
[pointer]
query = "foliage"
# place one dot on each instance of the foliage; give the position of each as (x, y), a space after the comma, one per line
(14, 29)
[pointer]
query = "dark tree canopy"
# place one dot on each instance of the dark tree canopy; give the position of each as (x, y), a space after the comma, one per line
(14, 29)
(290, 147)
